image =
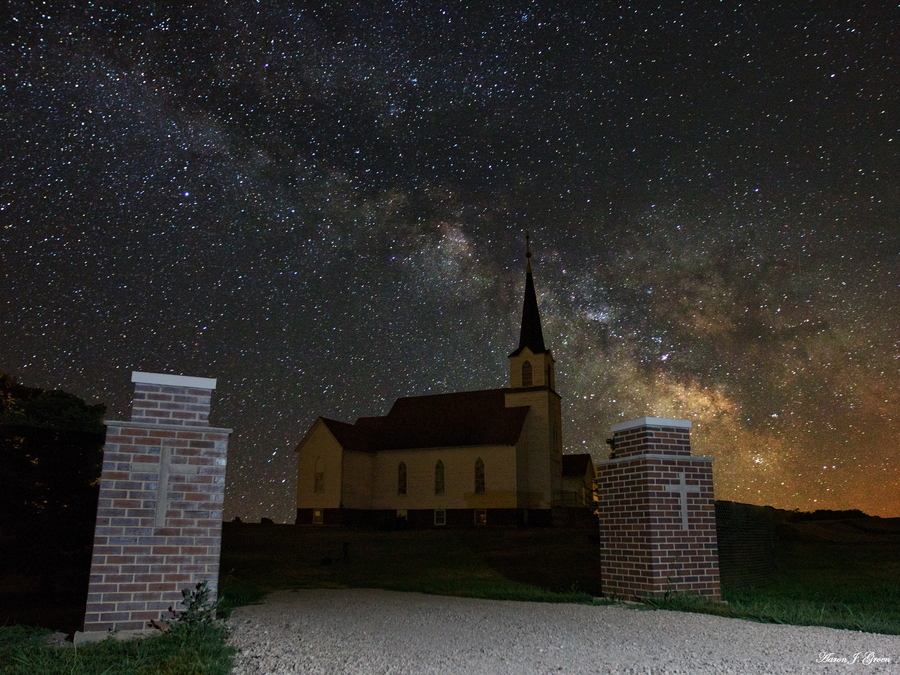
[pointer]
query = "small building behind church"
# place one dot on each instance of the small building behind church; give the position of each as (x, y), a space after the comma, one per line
(491, 457)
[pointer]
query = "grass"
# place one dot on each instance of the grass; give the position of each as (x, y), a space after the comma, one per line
(536, 565)
(842, 574)
(810, 605)
(195, 644)
(237, 595)
(835, 574)
(201, 651)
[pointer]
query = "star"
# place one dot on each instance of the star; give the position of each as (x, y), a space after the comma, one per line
(324, 209)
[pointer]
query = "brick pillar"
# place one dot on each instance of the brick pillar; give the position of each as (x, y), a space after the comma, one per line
(657, 513)
(159, 518)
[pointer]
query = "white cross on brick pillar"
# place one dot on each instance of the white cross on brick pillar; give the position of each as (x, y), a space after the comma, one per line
(682, 489)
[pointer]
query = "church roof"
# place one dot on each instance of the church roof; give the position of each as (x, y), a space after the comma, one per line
(442, 420)
(575, 465)
(351, 437)
(370, 423)
(451, 420)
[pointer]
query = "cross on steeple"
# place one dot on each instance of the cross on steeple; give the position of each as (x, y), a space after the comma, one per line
(527, 253)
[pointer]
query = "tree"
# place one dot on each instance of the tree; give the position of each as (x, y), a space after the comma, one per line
(51, 452)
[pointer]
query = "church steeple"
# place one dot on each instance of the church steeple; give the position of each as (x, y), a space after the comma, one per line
(531, 335)
(531, 365)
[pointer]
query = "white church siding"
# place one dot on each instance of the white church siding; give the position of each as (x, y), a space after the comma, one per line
(357, 480)
(319, 444)
(540, 449)
(459, 478)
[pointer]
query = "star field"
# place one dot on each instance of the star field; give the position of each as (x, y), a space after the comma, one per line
(323, 205)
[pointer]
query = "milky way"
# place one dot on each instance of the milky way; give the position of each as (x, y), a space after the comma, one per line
(323, 205)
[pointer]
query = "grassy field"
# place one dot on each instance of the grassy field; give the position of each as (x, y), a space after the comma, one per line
(550, 565)
(843, 574)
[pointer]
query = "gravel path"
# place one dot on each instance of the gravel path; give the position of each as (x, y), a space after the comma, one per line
(349, 632)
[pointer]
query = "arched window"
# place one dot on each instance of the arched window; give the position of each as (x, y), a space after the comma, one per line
(401, 478)
(319, 484)
(526, 374)
(439, 478)
(479, 476)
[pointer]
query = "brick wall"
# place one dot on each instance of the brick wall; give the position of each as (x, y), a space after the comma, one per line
(657, 513)
(659, 440)
(159, 516)
(174, 405)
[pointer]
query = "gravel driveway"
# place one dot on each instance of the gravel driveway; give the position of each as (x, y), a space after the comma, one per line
(372, 631)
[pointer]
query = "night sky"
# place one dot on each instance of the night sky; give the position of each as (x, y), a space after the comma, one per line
(323, 206)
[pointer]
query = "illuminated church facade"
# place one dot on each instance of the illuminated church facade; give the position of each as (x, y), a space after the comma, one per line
(490, 457)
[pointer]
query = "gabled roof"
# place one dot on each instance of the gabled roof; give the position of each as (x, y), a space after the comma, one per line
(370, 423)
(443, 420)
(349, 436)
(574, 466)
(452, 420)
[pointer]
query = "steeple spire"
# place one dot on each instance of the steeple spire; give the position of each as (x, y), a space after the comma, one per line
(531, 335)
(527, 253)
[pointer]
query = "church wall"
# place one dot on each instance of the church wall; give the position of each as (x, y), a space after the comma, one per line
(357, 480)
(459, 478)
(577, 490)
(541, 447)
(522, 494)
(542, 365)
(465, 518)
(319, 444)
(555, 444)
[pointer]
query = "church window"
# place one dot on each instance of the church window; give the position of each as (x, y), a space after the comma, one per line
(401, 478)
(319, 484)
(440, 516)
(439, 478)
(526, 374)
(481, 516)
(479, 476)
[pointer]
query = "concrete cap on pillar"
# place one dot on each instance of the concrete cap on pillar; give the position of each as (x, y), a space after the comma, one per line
(173, 380)
(652, 422)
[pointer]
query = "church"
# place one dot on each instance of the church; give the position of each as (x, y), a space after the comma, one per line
(475, 458)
